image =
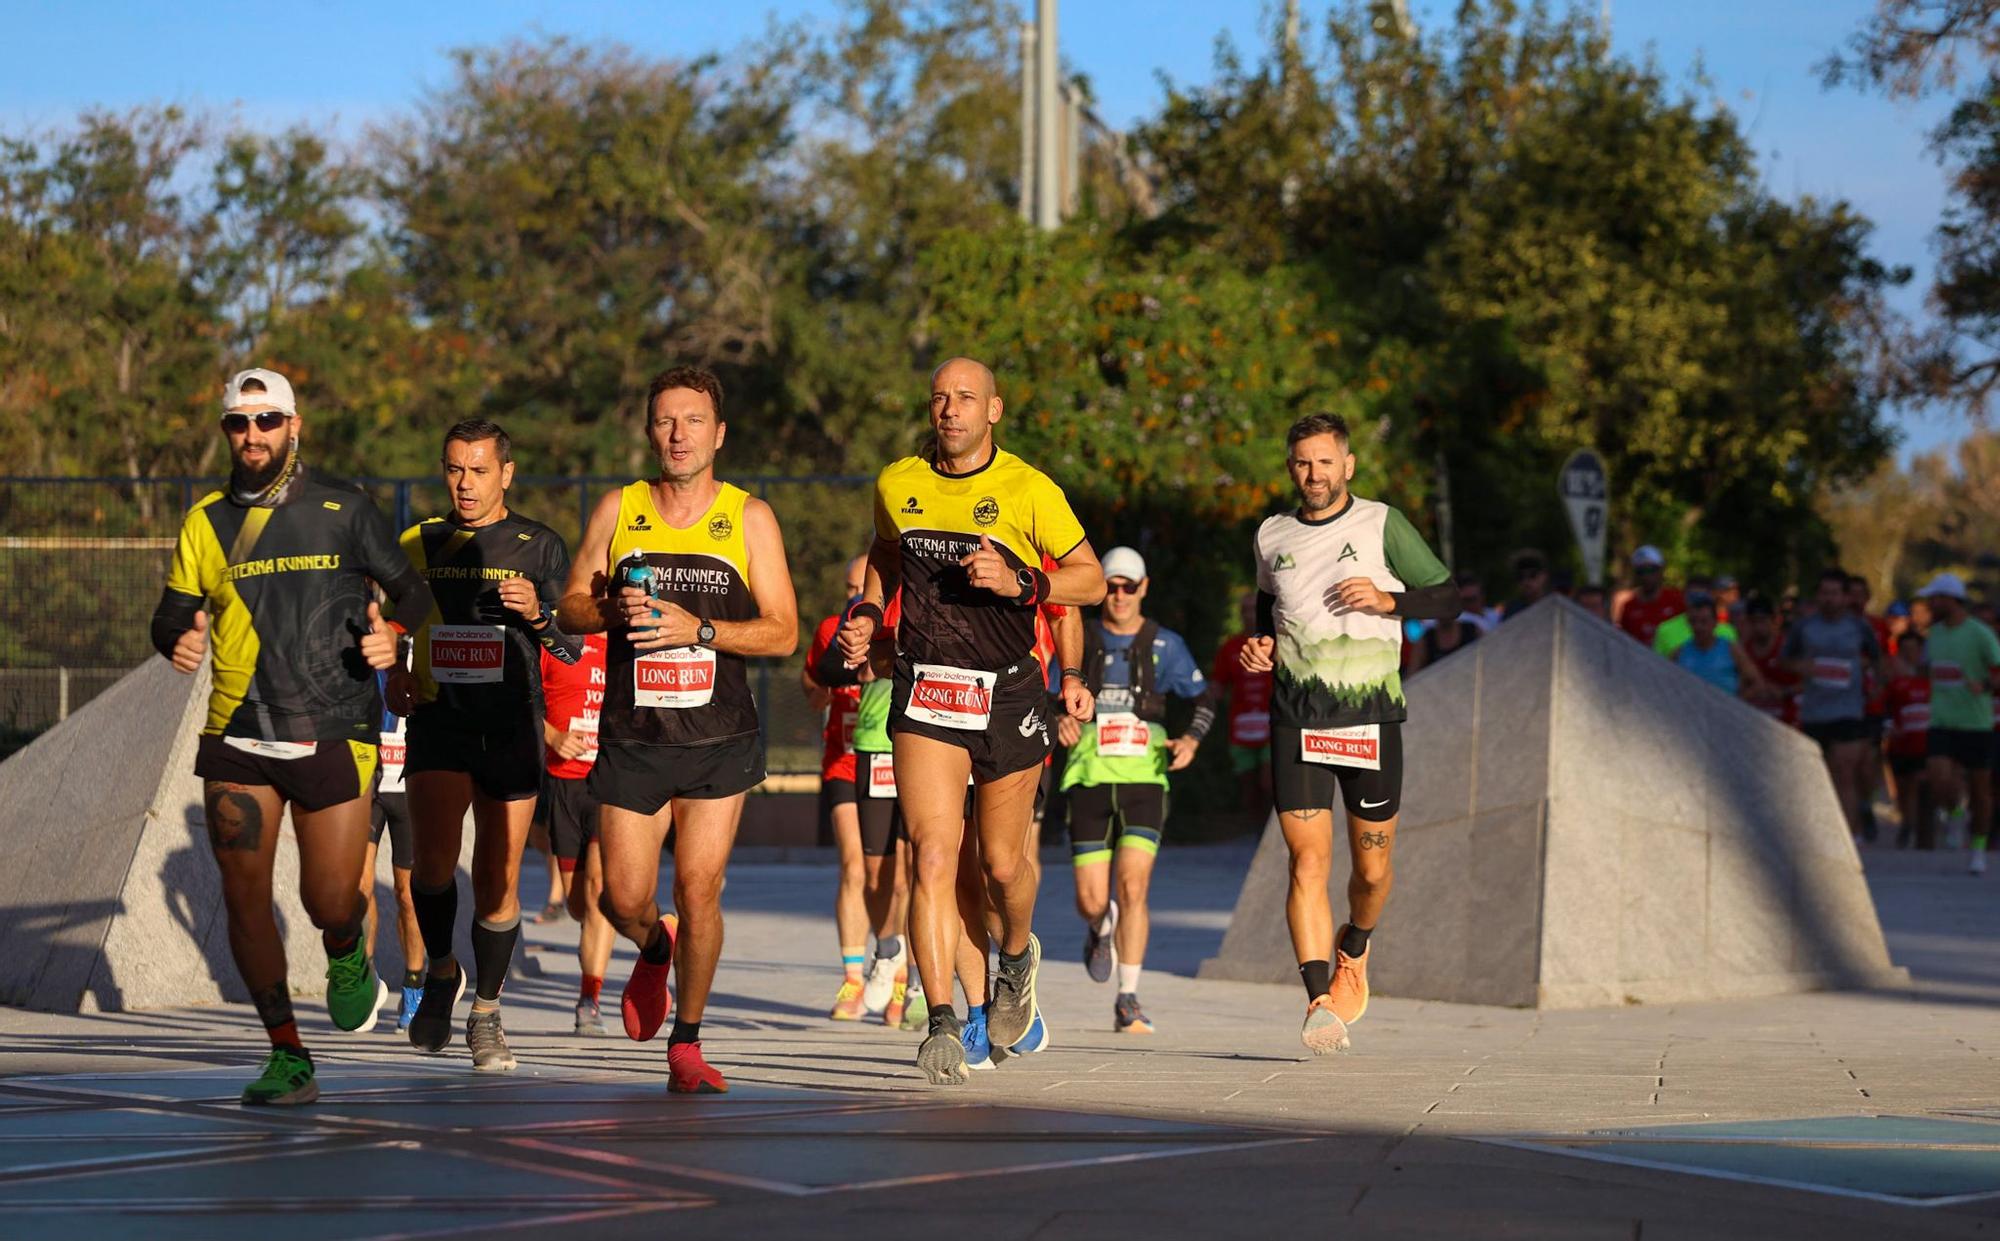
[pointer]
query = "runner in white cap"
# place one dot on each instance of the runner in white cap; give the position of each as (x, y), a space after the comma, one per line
(1964, 661)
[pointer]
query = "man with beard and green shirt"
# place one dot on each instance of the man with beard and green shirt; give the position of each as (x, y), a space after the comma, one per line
(1335, 579)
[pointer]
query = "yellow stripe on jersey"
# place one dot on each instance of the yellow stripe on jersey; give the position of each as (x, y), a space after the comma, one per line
(420, 656)
(717, 532)
(201, 569)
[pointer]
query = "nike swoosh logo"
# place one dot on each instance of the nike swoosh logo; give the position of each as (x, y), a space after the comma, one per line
(1370, 805)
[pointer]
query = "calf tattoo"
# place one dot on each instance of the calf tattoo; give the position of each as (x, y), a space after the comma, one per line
(1374, 840)
(235, 820)
(274, 1005)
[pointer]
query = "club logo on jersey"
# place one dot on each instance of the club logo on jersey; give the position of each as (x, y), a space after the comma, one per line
(987, 511)
(911, 506)
(720, 527)
(639, 522)
(1347, 552)
(524, 536)
(1283, 562)
(330, 504)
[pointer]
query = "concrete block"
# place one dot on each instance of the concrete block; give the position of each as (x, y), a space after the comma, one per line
(1586, 824)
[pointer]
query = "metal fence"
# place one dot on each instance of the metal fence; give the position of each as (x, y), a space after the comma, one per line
(83, 561)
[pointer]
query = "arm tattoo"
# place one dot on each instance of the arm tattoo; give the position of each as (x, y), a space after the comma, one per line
(235, 820)
(1374, 840)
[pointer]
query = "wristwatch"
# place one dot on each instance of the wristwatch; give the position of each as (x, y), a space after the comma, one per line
(1027, 579)
(705, 634)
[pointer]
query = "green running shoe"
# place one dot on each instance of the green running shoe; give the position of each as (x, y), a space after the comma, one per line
(354, 995)
(287, 1080)
(916, 1011)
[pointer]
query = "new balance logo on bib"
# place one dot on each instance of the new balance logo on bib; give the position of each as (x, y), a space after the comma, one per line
(959, 698)
(681, 677)
(467, 654)
(1360, 746)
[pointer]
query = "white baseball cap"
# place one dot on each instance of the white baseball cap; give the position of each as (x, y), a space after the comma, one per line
(1126, 563)
(277, 391)
(1944, 584)
(1648, 557)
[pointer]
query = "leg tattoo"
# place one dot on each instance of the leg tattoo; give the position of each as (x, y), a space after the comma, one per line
(235, 820)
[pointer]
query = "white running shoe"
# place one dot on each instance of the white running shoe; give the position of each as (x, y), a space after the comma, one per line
(1978, 866)
(882, 980)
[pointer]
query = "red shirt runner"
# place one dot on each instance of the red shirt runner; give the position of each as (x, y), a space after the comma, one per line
(837, 751)
(1908, 702)
(1249, 695)
(1771, 663)
(572, 697)
(1642, 618)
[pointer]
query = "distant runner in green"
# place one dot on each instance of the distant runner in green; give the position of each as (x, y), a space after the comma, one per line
(1335, 579)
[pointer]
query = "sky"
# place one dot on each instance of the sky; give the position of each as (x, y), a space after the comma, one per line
(346, 64)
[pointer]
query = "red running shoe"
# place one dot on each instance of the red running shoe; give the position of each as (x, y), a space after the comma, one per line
(688, 1073)
(646, 1001)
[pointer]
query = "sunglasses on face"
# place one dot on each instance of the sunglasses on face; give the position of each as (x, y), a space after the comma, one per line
(269, 420)
(1122, 587)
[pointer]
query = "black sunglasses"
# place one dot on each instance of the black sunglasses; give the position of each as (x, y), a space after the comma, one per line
(1122, 588)
(269, 420)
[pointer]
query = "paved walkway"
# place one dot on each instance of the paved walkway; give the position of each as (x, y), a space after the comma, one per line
(1447, 1120)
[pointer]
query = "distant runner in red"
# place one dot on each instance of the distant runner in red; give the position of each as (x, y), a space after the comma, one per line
(573, 698)
(1764, 642)
(1654, 602)
(1909, 705)
(1249, 696)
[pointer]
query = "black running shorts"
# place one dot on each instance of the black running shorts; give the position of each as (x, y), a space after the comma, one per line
(505, 766)
(1374, 795)
(1830, 733)
(1017, 733)
(333, 773)
(1104, 817)
(882, 824)
(644, 778)
(572, 815)
(392, 814)
(1970, 748)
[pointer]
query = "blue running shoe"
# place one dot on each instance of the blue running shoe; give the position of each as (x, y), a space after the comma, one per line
(1036, 1039)
(978, 1047)
(412, 996)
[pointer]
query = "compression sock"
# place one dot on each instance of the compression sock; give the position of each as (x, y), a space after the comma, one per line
(492, 952)
(1128, 978)
(1318, 977)
(684, 1032)
(591, 987)
(942, 1018)
(852, 959)
(274, 1009)
(658, 948)
(437, 914)
(1354, 941)
(1014, 962)
(888, 946)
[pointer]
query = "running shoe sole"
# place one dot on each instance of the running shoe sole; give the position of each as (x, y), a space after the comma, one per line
(375, 1013)
(1007, 1022)
(1324, 1033)
(942, 1058)
(433, 1034)
(308, 1093)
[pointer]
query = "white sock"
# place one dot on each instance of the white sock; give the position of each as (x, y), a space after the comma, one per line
(1128, 978)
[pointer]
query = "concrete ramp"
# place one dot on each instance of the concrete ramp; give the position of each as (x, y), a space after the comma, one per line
(109, 897)
(1584, 824)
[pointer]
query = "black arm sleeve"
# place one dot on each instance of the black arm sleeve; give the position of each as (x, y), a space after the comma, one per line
(832, 671)
(548, 590)
(1267, 615)
(174, 617)
(1439, 602)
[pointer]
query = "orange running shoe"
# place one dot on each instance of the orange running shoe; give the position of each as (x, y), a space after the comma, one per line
(899, 999)
(646, 1001)
(1350, 983)
(688, 1073)
(847, 1005)
(1324, 1032)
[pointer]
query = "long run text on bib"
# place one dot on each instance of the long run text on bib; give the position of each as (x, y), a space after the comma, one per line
(952, 697)
(1121, 734)
(586, 724)
(1832, 673)
(393, 749)
(682, 676)
(1944, 672)
(881, 775)
(467, 654)
(1360, 746)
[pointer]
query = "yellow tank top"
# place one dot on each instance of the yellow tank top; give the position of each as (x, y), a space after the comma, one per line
(685, 695)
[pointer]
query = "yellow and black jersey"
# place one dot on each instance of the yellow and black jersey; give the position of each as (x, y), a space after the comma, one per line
(937, 519)
(478, 664)
(286, 590)
(687, 695)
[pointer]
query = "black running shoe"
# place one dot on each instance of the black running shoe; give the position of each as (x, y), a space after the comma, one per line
(430, 1029)
(1097, 949)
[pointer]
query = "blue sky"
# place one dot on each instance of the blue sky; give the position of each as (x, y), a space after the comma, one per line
(329, 62)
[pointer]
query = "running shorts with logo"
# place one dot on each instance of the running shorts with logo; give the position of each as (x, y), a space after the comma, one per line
(1104, 817)
(477, 664)
(966, 673)
(679, 722)
(572, 815)
(1337, 693)
(312, 775)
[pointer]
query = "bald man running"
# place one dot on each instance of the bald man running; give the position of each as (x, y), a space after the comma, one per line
(962, 529)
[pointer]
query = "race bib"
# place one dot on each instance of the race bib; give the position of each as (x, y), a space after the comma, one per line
(1914, 718)
(1121, 734)
(392, 749)
(1944, 672)
(586, 724)
(467, 654)
(272, 749)
(959, 698)
(881, 775)
(847, 736)
(1250, 728)
(1360, 746)
(678, 678)
(1832, 673)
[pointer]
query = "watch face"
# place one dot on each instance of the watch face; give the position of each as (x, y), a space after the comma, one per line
(706, 633)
